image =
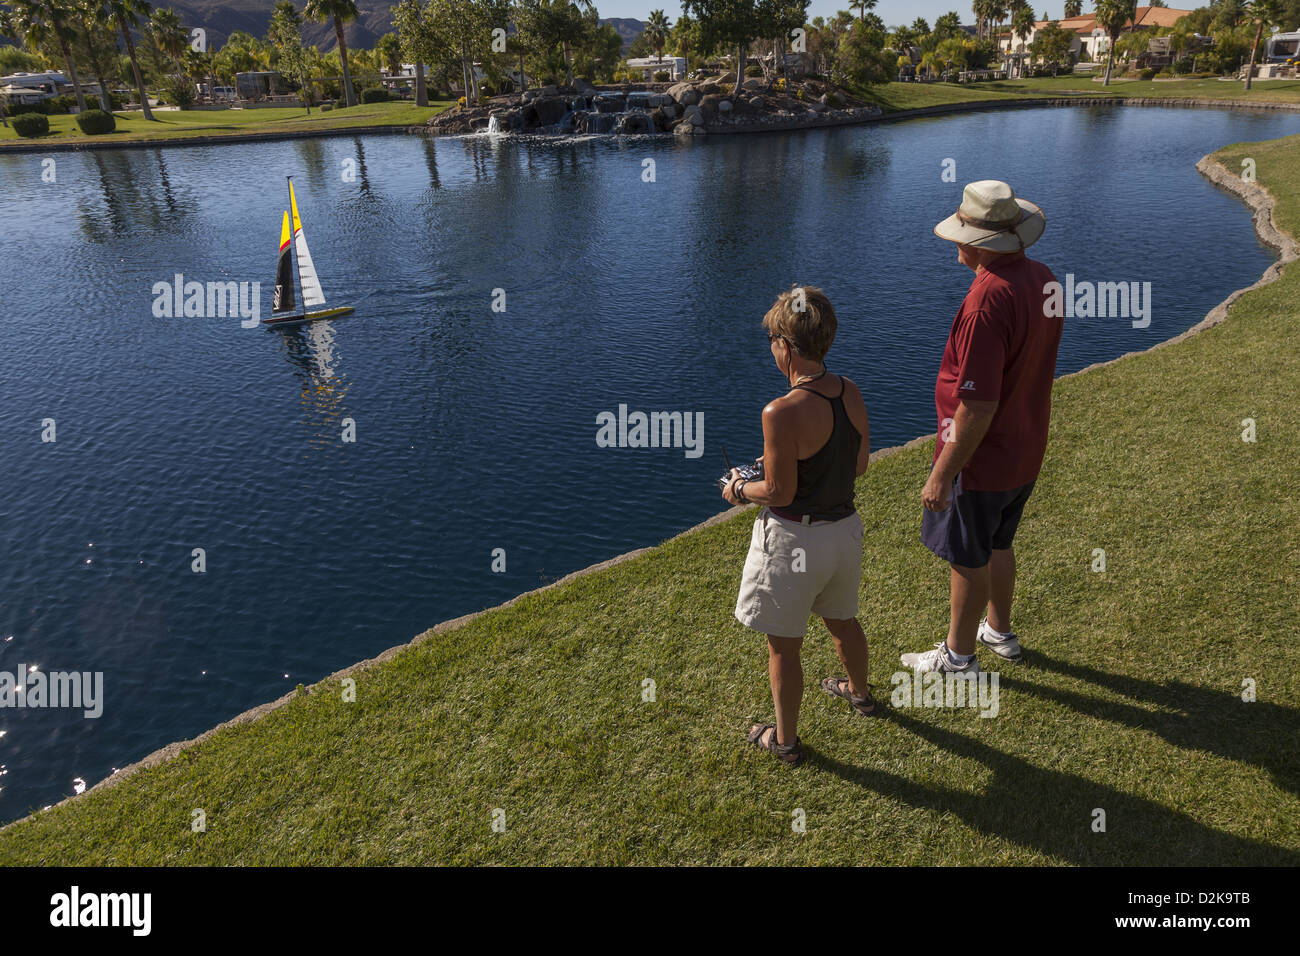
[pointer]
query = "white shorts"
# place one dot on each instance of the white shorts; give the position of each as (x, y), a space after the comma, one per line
(794, 570)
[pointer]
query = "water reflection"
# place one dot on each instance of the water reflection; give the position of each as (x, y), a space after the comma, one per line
(134, 189)
(310, 349)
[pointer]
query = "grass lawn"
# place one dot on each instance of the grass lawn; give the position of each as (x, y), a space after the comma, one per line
(184, 124)
(892, 97)
(1128, 698)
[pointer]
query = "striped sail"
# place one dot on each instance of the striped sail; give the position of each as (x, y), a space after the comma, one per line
(283, 299)
(310, 282)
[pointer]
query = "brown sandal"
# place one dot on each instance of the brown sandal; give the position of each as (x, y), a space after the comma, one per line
(786, 753)
(867, 706)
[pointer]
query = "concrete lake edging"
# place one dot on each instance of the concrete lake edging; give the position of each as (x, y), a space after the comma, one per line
(1254, 196)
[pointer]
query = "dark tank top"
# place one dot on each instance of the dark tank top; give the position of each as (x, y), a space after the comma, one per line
(826, 478)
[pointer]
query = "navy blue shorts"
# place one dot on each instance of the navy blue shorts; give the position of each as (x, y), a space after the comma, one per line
(975, 524)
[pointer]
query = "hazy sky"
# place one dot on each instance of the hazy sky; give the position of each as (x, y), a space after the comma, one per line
(893, 12)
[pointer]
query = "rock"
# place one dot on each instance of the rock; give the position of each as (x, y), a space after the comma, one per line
(548, 91)
(685, 94)
(708, 89)
(694, 115)
(757, 103)
(529, 96)
(545, 111)
(634, 124)
(724, 106)
(608, 103)
(660, 118)
(818, 107)
(754, 83)
(670, 110)
(583, 87)
(710, 102)
(658, 99)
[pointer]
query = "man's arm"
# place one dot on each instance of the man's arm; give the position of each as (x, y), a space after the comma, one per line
(969, 425)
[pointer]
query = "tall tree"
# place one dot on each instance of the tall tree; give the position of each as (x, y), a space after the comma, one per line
(1112, 16)
(421, 41)
(1022, 25)
(292, 61)
(340, 12)
(48, 22)
(96, 45)
(657, 30)
(1073, 8)
(1268, 13)
(126, 14)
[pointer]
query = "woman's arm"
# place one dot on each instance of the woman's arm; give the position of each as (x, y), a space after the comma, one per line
(780, 461)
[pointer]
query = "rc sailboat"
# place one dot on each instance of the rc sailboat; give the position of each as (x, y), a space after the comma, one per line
(295, 254)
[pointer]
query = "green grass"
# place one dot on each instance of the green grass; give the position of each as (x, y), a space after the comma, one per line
(892, 97)
(186, 124)
(1128, 698)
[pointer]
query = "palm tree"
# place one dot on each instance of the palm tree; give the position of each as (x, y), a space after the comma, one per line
(168, 35)
(862, 7)
(1112, 15)
(127, 14)
(99, 45)
(1073, 8)
(341, 12)
(656, 31)
(47, 22)
(1268, 13)
(1022, 25)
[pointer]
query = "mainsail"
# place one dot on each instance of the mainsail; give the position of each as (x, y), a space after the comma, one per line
(311, 290)
(283, 298)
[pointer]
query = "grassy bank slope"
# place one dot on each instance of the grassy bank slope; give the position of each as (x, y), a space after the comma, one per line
(1128, 698)
(190, 124)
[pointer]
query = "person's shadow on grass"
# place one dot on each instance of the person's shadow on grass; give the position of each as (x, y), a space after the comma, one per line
(1053, 812)
(1194, 718)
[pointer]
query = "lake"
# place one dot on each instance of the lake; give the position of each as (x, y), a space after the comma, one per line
(475, 428)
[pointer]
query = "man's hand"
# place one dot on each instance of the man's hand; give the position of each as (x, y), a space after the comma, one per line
(729, 492)
(937, 494)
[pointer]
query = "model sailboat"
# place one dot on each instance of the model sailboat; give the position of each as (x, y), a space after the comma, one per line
(293, 250)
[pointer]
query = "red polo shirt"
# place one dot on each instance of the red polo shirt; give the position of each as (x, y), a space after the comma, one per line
(1002, 348)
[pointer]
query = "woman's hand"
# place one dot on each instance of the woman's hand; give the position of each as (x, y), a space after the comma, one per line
(729, 492)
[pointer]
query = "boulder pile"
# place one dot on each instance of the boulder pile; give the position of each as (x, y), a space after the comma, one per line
(685, 109)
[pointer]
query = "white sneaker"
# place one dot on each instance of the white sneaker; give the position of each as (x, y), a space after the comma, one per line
(938, 660)
(1006, 647)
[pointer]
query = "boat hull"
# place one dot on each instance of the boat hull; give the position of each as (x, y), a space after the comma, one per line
(298, 318)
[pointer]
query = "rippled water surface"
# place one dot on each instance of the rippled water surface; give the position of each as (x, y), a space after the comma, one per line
(475, 428)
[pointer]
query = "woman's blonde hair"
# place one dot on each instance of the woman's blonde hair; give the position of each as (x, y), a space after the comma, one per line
(805, 319)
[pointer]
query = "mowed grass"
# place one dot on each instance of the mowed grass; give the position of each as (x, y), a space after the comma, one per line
(1128, 699)
(185, 124)
(893, 97)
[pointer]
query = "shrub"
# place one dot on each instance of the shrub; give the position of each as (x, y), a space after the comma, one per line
(61, 104)
(31, 124)
(662, 76)
(340, 104)
(753, 71)
(375, 94)
(326, 107)
(41, 107)
(180, 91)
(1147, 74)
(461, 102)
(96, 122)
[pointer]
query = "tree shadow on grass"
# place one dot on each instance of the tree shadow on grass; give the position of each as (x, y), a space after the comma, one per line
(1193, 718)
(1052, 811)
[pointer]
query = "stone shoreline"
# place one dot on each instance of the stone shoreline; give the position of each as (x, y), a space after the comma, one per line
(1266, 227)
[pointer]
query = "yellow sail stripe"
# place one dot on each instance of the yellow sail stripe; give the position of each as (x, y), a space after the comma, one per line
(285, 235)
(293, 205)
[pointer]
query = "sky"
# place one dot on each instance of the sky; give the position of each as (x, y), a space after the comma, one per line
(893, 12)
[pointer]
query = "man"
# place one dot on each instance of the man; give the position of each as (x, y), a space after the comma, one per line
(993, 397)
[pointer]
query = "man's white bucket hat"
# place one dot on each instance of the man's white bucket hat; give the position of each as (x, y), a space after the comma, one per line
(991, 217)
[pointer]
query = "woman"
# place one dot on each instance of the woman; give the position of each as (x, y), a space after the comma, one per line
(805, 554)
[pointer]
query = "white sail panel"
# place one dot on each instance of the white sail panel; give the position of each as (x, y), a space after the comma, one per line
(312, 294)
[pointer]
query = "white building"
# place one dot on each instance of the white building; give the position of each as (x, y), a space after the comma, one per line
(674, 66)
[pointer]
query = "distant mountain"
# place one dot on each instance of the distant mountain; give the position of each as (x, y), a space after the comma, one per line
(627, 28)
(220, 18)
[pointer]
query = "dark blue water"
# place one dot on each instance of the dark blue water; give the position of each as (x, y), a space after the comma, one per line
(475, 429)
